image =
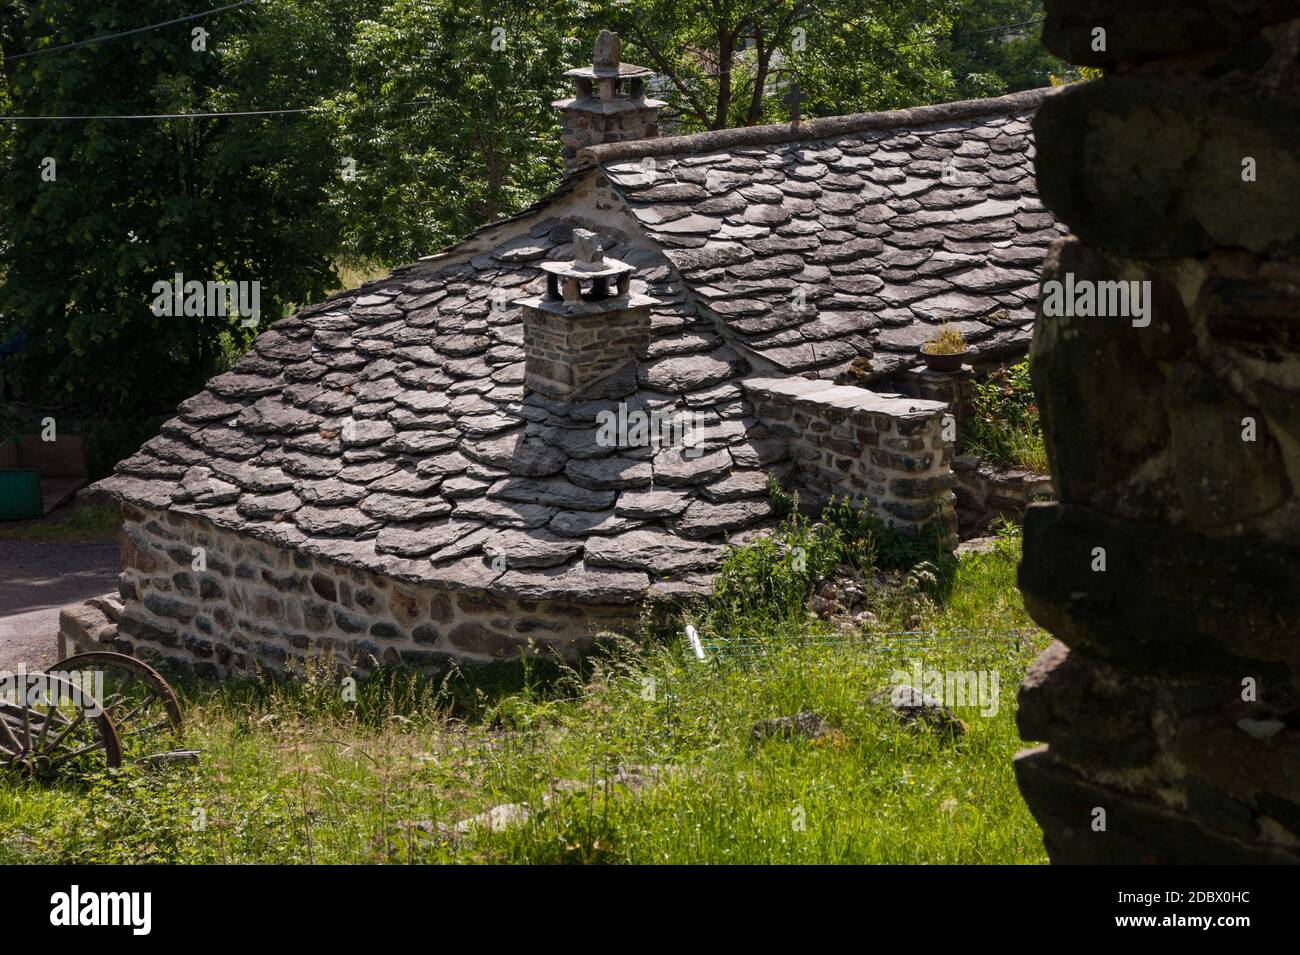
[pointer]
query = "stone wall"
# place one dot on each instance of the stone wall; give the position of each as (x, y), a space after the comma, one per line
(1170, 708)
(985, 493)
(854, 443)
(90, 625)
(956, 389)
(257, 605)
(584, 124)
(567, 354)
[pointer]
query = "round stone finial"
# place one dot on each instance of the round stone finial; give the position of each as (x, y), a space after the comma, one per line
(608, 51)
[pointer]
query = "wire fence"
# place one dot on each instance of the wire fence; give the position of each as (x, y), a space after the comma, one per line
(973, 642)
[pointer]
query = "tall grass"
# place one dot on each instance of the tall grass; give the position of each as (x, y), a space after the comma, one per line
(642, 754)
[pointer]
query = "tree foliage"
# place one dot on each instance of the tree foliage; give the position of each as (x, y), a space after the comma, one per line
(449, 119)
(135, 202)
(722, 61)
(988, 57)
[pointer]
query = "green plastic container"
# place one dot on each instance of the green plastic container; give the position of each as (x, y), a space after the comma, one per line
(20, 494)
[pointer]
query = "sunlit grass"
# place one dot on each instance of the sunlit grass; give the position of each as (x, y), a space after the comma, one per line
(295, 773)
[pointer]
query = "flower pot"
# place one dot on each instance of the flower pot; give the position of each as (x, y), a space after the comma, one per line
(945, 362)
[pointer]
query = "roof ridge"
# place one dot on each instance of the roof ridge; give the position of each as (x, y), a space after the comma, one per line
(822, 128)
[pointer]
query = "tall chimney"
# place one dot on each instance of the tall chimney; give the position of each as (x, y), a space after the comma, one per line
(582, 338)
(611, 106)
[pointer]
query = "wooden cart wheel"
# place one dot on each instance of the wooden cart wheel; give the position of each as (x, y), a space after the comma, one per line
(47, 722)
(138, 700)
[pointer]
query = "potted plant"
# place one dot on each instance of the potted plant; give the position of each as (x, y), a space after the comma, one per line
(946, 351)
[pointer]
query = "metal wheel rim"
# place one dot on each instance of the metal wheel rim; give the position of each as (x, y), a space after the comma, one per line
(162, 692)
(40, 743)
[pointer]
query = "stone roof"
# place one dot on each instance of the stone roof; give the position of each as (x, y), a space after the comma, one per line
(388, 428)
(858, 213)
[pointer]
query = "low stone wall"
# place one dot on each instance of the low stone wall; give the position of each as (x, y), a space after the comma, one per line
(254, 605)
(985, 493)
(956, 389)
(851, 442)
(89, 626)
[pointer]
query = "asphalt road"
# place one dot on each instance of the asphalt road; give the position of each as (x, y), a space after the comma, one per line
(37, 578)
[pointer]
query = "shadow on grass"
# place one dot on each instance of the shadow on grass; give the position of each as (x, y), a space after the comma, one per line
(469, 693)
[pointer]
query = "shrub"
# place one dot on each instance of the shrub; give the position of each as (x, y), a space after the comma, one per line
(764, 585)
(1004, 426)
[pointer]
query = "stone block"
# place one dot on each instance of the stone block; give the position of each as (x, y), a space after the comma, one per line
(1191, 606)
(1137, 829)
(1152, 166)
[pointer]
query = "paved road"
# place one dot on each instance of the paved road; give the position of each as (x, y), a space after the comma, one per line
(36, 579)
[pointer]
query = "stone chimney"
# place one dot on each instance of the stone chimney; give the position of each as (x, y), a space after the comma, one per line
(583, 337)
(610, 107)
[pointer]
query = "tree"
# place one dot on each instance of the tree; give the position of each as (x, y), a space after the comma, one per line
(96, 212)
(449, 120)
(995, 48)
(722, 60)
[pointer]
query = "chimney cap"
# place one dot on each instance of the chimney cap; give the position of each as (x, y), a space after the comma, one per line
(588, 252)
(605, 268)
(608, 51)
(589, 260)
(606, 62)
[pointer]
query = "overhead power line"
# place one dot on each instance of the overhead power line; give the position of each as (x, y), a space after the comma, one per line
(1004, 26)
(247, 112)
(218, 115)
(316, 109)
(122, 33)
(934, 35)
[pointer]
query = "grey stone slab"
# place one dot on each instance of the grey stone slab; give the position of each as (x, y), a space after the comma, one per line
(552, 492)
(577, 582)
(513, 549)
(609, 473)
(707, 519)
(655, 551)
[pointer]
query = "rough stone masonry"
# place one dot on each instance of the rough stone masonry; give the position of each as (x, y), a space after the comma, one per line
(859, 445)
(1170, 708)
(202, 599)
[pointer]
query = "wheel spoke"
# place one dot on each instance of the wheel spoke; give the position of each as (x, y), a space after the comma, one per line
(161, 724)
(27, 728)
(50, 710)
(68, 729)
(9, 734)
(125, 720)
(88, 748)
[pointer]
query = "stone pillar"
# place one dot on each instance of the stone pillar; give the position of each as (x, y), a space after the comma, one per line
(1170, 707)
(611, 105)
(956, 389)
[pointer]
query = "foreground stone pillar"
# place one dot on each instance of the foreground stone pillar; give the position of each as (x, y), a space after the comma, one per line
(1170, 568)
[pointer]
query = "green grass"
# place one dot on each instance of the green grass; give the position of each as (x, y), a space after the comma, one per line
(92, 521)
(353, 273)
(290, 772)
